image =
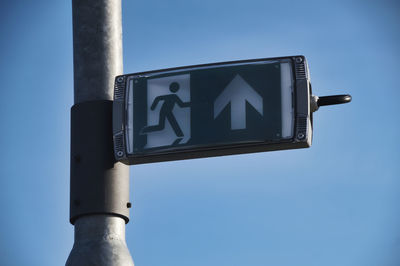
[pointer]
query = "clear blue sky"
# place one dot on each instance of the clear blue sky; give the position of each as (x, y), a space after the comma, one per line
(336, 203)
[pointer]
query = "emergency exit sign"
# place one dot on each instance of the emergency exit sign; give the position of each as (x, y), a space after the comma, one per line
(210, 110)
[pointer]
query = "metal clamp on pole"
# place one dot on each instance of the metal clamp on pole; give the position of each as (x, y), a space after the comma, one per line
(92, 164)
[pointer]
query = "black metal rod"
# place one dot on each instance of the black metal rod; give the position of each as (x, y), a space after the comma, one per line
(334, 99)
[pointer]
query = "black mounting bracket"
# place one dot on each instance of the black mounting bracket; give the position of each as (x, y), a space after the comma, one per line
(98, 184)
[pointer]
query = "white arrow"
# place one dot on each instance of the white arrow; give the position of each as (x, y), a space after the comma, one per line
(237, 93)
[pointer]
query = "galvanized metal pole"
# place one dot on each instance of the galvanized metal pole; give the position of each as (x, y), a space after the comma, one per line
(99, 204)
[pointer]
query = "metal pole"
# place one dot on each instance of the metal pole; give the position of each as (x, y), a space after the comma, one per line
(99, 199)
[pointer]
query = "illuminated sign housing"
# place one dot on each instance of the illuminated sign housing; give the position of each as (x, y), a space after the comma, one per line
(212, 110)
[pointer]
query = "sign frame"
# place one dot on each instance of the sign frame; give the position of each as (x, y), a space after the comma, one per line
(302, 131)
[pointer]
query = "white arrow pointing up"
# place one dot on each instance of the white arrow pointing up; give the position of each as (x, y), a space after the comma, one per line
(237, 93)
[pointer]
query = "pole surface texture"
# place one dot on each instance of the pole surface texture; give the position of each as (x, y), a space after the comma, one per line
(99, 199)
